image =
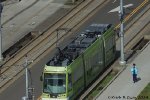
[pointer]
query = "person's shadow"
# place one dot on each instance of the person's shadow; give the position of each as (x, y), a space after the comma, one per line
(138, 79)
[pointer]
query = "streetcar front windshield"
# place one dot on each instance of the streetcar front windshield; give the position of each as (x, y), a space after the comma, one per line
(54, 83)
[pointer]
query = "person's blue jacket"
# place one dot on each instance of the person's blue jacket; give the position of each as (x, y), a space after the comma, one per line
(134, 70)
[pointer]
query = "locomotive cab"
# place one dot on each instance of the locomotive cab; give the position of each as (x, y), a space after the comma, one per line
(74, 67)
(55, 84)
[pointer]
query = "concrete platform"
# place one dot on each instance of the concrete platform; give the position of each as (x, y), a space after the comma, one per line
(18, 19)
(123, 88)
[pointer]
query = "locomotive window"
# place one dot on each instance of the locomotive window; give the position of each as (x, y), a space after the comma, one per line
(109, 43)
(54, 83)
(69, 81)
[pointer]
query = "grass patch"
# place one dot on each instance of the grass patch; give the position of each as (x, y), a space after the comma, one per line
(145, 94)
(100, 86)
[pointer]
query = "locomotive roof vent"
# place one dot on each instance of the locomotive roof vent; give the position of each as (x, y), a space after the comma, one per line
(78, 45)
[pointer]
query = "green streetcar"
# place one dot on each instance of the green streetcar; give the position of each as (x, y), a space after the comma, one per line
(72, 69)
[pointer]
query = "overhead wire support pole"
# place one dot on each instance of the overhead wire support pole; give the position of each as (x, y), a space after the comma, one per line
(26, 74)
(121, 14)
(1, 57)
(26, 64)
(60, 29)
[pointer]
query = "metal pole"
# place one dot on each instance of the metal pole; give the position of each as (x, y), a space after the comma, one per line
(27, 81)
(57, 30)
(122, 61)
(26, 63)
(57, 38)
(1, 57)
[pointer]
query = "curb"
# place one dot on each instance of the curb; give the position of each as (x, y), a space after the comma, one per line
(8, 2)
(124, 67)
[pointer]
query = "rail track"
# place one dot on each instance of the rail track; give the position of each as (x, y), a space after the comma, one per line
(45, 42)
(23, 22)
(132, 41)
(12, 67)
(128, 44)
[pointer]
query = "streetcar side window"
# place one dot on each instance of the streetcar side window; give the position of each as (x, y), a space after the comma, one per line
(70, 81)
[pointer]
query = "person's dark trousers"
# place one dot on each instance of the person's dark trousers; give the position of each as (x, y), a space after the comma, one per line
(134, 78)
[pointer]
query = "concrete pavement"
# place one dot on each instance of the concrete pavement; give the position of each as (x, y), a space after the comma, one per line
(20, 18)
(123, 88)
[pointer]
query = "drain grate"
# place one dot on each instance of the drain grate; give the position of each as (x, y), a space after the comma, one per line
(136, 49)
(140, 44)
(18, 45)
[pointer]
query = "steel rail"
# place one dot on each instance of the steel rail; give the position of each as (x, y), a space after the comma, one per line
(123, 68)
(101, 77)
(39, 39)
(128, 44)
(127, 47)
(43, 40)
(133, 12)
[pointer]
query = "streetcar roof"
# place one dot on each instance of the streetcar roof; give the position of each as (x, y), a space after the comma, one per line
(76, 47)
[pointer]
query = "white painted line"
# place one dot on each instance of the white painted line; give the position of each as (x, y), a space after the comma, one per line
(129, 5)
(114, 1)
(117, 9)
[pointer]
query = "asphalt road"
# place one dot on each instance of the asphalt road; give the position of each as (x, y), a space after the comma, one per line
(17, 90)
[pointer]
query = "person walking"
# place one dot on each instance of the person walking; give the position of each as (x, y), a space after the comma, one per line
(134, 72)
